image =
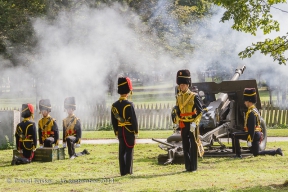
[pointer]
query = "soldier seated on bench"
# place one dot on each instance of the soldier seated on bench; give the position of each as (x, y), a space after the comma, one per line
(47, 126)
(72, 129)
(26, 136)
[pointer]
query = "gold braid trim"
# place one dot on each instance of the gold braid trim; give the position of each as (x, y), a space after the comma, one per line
(45, 106)
(250, 94)
(122, 84)
(24, 110)
(126, 121)
(26, 139)
(184, 76)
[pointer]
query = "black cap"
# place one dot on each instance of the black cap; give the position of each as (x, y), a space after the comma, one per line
(250, 95)
(124, 85)
(69, 103)
(183, 77)
(44, 104)
(27, 110)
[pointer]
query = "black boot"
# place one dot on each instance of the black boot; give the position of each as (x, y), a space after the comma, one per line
(279, 151)
(85, 152)
(21, 160)
(13, 162)
(272, 152)
(73, 156)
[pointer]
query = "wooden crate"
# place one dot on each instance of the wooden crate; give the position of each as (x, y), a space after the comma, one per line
(61, 153)
(46, 154)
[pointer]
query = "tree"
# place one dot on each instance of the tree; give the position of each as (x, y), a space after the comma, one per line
(252, 15)
(15, 25)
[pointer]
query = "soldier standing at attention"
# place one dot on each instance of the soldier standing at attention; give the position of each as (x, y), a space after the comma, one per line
(125, 125)
(26, 136)
(190, 110)
(47, 126)
(252, 129)
(72, 131)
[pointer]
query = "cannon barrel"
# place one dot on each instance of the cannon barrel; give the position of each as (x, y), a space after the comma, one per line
(164, 143)
(223, 96)
(238, 72)
(222, 114)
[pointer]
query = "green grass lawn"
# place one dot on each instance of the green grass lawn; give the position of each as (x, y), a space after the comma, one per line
(99, 171)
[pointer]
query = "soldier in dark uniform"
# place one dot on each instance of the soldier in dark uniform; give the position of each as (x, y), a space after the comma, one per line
(252, 129)
(190, 113)
(125, 125)
(47, 127)
(72, 131)
(26, 136)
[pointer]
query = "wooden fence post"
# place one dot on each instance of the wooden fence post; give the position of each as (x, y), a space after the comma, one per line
(150, 116)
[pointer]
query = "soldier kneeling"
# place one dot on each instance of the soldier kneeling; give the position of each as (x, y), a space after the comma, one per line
(72, 129)
(47, 126)
(26, 136)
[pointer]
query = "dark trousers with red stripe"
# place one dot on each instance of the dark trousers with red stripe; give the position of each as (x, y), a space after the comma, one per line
(48, 142)
(27, 149)
(28, 154)
(71, 140)
(125, 157)
(255, 149)
(190, 149)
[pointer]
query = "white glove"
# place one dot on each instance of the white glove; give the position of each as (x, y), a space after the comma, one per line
(34, 149)
(56, 147)
(77, 145)
(41, 146)
(192, 126)
(64, 145)
(249, 144)
(20, 151)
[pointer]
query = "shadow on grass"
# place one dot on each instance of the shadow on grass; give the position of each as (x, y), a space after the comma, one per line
(152, 160)
(273, 187)
(8, 163)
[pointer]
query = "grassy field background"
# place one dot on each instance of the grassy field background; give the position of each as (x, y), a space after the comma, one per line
(99, 171)
(162, 134)
(138, 97)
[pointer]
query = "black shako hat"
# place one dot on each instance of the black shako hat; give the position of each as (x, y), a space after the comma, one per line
(250, 95)
(124, 85)
(183, 77)
(27, 110)
(69, 103)
(44, 104)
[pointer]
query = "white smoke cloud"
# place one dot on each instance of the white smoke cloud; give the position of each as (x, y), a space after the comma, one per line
(78, 50)
(219, 43)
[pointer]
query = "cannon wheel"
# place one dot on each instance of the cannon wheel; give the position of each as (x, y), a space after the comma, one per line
(264, 131)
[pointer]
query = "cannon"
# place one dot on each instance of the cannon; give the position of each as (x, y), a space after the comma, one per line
(224, 113)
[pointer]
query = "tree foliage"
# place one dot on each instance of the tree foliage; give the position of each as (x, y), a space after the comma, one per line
(15, 25)
(251, 15)
(16, 18)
